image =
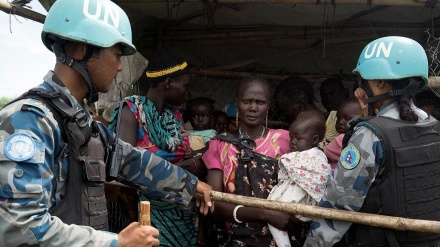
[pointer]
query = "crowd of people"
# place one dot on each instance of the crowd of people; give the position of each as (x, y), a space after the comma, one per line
(373, 147)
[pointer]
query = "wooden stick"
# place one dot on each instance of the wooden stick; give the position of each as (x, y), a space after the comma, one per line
(23, 12)
(313, 2)
(396, 223)
(144, 213)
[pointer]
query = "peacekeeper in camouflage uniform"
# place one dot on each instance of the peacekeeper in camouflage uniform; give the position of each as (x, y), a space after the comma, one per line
(385, 66)
(88, 38)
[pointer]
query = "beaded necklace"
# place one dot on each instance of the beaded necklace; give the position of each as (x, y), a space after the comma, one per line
(262, 133)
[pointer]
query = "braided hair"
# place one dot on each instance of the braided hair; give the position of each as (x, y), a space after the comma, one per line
(404, 101)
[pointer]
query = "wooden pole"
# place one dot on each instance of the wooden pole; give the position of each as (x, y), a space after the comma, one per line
(396, 223)
(144, 213)
(23, 12)
(418, 3)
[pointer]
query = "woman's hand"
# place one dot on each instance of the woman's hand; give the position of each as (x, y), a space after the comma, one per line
(280, 220)
(204, 204)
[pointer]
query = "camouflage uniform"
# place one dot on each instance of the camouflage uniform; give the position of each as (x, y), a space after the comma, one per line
(348, 186)
(29, 188)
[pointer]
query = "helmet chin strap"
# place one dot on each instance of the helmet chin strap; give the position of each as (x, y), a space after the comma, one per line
(79, 66)
(366, 88)
(412, 85)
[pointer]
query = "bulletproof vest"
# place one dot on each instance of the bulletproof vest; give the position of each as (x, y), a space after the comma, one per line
(407, 184)
(84, 202)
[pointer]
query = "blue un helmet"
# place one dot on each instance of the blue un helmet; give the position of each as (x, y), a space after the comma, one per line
(98, 23)
(393, 58)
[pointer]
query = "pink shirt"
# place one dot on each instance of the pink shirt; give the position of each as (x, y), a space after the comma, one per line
(333, 150)
(223, 156)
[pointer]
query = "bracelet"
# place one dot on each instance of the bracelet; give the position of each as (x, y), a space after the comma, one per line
(235, 213)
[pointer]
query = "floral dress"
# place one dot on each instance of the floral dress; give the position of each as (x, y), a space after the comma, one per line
(246, 176)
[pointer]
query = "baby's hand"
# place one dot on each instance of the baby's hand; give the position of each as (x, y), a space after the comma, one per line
(360, 94)
(189, 153)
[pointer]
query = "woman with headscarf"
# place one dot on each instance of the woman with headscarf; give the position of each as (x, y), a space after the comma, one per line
(153, 122)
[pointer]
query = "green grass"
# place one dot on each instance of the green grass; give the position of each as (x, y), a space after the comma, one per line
(4, 100)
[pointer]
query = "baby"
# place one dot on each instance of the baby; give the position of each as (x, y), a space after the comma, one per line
(347, 110)
(303, 172)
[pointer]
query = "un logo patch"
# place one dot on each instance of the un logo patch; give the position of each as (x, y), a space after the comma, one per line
(350, 157)
(20, 147)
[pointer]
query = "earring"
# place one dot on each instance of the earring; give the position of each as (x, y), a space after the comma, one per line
(302, 109)
(236, 119)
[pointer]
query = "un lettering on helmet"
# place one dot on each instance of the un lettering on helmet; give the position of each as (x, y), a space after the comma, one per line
(381, 51)
(101, 11)
(101, 23)
(393, 58)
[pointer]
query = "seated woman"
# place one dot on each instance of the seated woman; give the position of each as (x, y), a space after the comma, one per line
(229, 172)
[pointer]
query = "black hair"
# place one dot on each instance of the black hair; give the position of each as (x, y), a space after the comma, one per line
(295, 87)
(315, 120)
(209, 103)
(333, 82)
(404, 101)
(219, 113)
(350, 100)
(252, 79)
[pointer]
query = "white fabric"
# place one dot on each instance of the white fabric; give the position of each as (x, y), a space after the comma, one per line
(301, 179)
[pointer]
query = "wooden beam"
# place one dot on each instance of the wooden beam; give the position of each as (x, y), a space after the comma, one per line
(296, 32)
(265, 57)
(415, 3)
(392, 222)
(15, 9)
(312, 78)
(433, 81)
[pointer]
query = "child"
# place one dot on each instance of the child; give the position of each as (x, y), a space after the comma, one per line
(221, 122)
(347, 110)
(303, 172)
(200, 112)
(201, 115)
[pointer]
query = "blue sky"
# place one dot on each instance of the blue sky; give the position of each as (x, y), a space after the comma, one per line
(24, 60)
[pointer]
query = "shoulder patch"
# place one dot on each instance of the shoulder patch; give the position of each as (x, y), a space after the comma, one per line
(20, 147)
(350, 157)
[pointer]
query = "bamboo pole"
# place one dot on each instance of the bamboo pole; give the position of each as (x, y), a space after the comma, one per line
(396, 223)
(418, 3)
(20, 11)
(433, 81)
(144, 213)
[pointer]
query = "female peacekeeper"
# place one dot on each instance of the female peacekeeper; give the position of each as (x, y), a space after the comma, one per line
(391, 162)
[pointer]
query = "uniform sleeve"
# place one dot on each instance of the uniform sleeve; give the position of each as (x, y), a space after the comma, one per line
(28, 182)
(348, 186)
(154, 176)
